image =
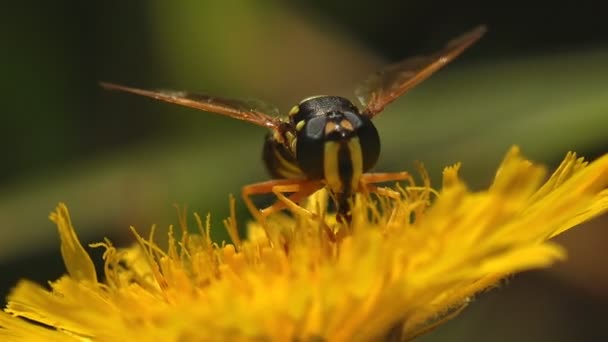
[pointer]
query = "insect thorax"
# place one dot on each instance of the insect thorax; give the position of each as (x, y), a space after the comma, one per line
(330, 140)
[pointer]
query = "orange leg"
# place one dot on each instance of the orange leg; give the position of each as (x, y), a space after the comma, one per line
(368, 179)
(299, 189)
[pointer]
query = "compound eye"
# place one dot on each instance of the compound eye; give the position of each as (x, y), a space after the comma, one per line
(315, 128)
(309, 147)
(354, 119)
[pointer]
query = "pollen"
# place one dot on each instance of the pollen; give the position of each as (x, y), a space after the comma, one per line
(401, 267)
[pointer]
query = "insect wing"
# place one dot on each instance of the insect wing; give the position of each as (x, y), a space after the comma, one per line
(256, 112)
(388, 84)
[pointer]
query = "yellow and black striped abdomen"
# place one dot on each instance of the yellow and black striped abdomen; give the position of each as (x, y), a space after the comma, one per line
(280, 160)
(338, 162)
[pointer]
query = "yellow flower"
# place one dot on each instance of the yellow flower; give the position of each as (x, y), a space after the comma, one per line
(401, 268)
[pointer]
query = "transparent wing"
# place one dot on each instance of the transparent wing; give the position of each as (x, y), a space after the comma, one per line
(388, 84)
(256, 112)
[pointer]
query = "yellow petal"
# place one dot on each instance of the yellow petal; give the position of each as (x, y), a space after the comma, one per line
(401, 268)
(77, 261)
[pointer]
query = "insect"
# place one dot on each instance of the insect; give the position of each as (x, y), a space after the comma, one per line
(324, 141)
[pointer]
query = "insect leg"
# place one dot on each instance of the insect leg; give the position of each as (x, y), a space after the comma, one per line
(299, 189)
(259, 189)
(368, 180)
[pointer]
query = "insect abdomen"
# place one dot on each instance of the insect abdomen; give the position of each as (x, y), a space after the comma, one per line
(280, 162)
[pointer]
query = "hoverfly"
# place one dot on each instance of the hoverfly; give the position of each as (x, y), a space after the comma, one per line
(324, 141)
